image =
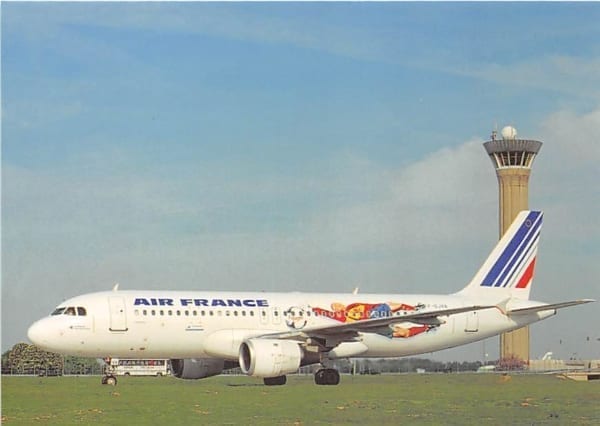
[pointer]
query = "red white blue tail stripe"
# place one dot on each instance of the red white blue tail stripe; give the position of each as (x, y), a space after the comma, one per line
(514, 266)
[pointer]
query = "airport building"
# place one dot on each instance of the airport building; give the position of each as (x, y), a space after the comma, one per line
(512, 158)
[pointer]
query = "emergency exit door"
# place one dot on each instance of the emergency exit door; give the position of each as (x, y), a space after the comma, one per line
(472, 325)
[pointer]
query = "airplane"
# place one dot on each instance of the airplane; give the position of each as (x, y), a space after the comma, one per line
(269, 335)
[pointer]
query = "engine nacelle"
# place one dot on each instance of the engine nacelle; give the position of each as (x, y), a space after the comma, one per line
(269, 357)
(196, 368)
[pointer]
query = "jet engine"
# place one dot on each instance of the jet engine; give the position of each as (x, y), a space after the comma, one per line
(269, 357)
(196, 368)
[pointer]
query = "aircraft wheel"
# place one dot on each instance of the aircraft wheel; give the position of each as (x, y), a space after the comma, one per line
(275, 381)
(333, 377)
(319, 377)
(109, 380)
(327, 376)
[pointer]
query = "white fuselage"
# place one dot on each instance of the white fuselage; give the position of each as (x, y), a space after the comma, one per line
(185, 324)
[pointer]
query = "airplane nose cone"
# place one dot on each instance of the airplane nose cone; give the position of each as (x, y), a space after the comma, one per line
(36, 333)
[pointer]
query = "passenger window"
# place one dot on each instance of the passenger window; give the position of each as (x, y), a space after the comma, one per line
(70, 311)
(81, 311)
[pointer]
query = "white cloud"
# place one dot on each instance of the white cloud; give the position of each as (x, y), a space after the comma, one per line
(427, 204)
(566, 175)
(256, 24)
(577, 138)
(562, 74)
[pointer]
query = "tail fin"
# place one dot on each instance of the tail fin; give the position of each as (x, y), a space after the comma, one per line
(509, 269)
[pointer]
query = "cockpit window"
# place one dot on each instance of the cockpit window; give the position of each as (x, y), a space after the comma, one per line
(78, 311)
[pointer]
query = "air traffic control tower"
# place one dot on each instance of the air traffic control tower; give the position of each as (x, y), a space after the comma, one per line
(512, 159)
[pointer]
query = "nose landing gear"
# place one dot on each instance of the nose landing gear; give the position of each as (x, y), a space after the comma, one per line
(109, 380)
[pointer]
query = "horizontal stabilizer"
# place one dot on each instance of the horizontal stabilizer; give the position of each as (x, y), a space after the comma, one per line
(549, 307)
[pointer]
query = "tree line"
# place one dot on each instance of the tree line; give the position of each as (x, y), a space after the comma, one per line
(24, 358)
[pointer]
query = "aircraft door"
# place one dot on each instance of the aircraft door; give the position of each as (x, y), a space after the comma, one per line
(472, 324)
(118, 318)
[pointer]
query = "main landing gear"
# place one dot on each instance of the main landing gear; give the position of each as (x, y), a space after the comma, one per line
(275, 381)
(327, 376)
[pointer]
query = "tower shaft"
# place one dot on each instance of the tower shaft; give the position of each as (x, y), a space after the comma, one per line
(513, 186)
(512, 159)
(513, 190)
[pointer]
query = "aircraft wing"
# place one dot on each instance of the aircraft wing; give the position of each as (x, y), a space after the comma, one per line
(548, 307)
(349, 331)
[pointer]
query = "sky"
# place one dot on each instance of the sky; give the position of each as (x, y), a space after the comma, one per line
(294, 147)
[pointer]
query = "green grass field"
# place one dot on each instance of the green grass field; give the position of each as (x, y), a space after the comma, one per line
(397, 399)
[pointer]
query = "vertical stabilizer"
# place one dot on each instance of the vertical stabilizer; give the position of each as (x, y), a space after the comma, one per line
(509, 269)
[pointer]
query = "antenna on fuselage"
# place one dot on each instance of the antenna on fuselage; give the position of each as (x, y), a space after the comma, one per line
(116, 287)
(355, 291)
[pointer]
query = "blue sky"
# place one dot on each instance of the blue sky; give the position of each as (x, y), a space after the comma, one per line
(288, 146)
